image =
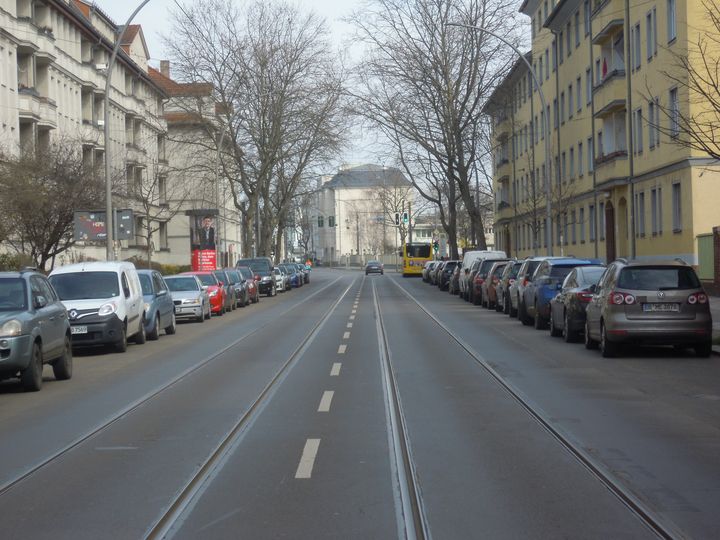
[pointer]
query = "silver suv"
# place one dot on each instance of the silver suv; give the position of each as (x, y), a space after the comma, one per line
(659, 303)
(34, 329)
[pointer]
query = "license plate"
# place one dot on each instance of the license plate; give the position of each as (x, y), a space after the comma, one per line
(661, 307)
(78, 330)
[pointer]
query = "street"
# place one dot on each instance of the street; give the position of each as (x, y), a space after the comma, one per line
(364, 407)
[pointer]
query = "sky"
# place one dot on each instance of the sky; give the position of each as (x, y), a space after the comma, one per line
(154, 18)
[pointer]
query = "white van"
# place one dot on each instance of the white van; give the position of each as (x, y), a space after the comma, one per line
(104, 302)
(469, 257)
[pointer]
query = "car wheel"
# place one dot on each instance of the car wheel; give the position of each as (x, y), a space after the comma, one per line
(201, 318)
(703, 350)
(62, 366)
(522, 314)
(538, 321)
(122, 344)
(140, 337)
(498, 307)
(568, 335)
(31, 376)
(590, 343)
(608, 349)
(170, 330)
(155, 332)
(209, 312)
(506, 305)
(554, 330)
(476, 299)
(221, 311)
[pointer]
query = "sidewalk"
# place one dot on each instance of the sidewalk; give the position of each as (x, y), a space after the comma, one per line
(715, 310)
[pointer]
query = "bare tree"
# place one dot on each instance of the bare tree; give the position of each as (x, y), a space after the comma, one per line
(424, 84)
(272, 70)
(39, 193)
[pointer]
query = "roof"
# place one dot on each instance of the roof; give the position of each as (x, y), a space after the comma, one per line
(173, 88)
(368, 175)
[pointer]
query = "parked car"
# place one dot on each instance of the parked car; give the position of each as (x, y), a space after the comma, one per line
(489, 288)
(545, 283)
(216, 292)
(469, 257)
(253, 290)
(427, 269)
(479, 288)
(262, 268)
(435, 272)
(237, 282)
(374, 267)
(294, 278)
(34, 330)
(517, 289)
(229, 290)
(190, 298)
(304, 271)
(104, 302)
(658, 303)
(567, 308)
(159, 307)
(443, 278)
(281, 279)
(470, 280)
(454, 281)
(503, 287)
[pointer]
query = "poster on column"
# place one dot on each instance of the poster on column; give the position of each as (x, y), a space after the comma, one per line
(203, 239)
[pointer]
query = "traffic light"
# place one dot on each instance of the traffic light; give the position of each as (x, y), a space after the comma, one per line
(436, 246)
(405, 218)
(397, 218)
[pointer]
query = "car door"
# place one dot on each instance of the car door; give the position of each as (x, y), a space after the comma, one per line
(594, 307)
(534, 281)
(163, 298)
(563, 300)
(47, 316)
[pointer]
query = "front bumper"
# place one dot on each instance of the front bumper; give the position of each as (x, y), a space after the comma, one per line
(184, 311)
(264, 287)
(15, 353)
(216, 303)
(100, 330)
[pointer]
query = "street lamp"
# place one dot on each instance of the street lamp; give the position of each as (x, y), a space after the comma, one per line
(548, 184)
(109, 221)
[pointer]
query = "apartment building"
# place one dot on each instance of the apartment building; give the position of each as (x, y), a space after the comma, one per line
(54, 57)
(618, 183)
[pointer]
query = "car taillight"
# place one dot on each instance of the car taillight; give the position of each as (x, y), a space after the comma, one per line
(511, 281)
(618, 299)
(495, 281)
(584, 296)
(525, 282)
(697, 298)
(479, 281)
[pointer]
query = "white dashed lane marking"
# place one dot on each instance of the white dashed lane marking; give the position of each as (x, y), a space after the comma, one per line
(335, 371)
(352, 317)
(346, 335)
(326, 401)
(342, 349)
(307, 460)
(349, 325)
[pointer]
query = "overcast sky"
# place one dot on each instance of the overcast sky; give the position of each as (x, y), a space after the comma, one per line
(154, 18)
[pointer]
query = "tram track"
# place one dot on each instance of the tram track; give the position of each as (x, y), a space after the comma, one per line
(654, 522)
(412, 519)
(165, 526)
(32, 470)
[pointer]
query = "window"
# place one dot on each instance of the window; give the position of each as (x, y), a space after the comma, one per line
(331, 221)
(591, 155)
(320, 222)
(591, 221)
(586, 16)
(674, 113)
(573, 222)
(542, 124)
(653, 123)
(572, 163)
(637, 51)
(654, 211)
(571, 108)
(578, 88)
(545, 11)
(540, 71)
(554, 55)
(588, 86)
(640, 214)
(601, 150)
(561, 47)
(580, 159)
(564, 167)
(676, 207)
(651, 32)
(601, 209)
(547, 64)
(637, 132)
(556, 114)
(562, 107)
(582, 225)
(577, 29)
(671, 27)
(568, 38)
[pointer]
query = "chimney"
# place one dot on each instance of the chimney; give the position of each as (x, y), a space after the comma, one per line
(165, 68)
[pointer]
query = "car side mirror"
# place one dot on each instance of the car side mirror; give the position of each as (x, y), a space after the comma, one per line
(467, 270)
(221, 283)
(162, 293)
(204, 287)
(40, 302)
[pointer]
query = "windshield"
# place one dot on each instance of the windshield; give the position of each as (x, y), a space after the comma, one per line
(220, 275)
(86, 285)
(514, 270)
(146, 283)
(417, 250)
(233, 276)
(13, 294)
(659, 278)
(256, 265)
(182, 284)
(245, 272)
(207, 279)
(559, 272)
(450, 265)
(591, 276)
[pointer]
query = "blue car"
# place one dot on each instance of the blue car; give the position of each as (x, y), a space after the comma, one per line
(545, 284)
(159, 306)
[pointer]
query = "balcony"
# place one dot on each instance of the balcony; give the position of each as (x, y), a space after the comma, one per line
(611, 94)
(610, 167)
(607, 30)
(48, 113)
(92, 133)
(504, 210)
(503, 168)
(135, 154)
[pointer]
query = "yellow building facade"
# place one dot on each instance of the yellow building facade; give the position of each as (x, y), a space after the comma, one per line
(619, 183)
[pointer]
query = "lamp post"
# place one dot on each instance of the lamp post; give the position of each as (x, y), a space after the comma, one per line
(109, 218)
(543, 103)
(218, 200)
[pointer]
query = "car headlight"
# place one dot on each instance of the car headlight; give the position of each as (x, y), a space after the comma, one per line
(191, 300)
(107, 309)
(11, 328)
(214, 293)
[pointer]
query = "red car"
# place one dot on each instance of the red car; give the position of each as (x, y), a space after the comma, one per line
(216, 292)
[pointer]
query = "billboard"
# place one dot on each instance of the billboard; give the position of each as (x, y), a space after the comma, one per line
(89, 225)
(203, 239)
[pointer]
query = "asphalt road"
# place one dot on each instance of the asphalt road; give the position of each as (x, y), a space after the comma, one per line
(364, 407)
